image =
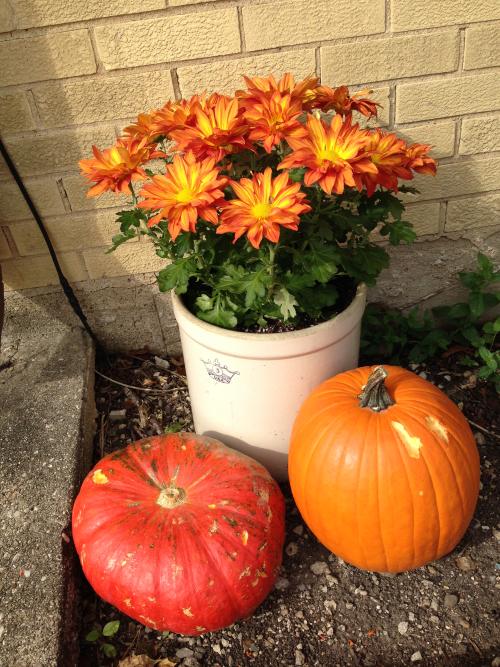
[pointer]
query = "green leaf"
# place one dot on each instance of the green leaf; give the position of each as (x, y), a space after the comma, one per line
(296, 175)
(296, 282)
(118, 239)
(484, 372)
(221, 314)
(400, 232)
(255, 287)
(489, 358)
(204, 303)
(93, 635)
(131, 218)
(491, 299)
(174, 427)
(109, 650)
(458, 311)
(111, 628)
(485, 264)
(477, 304)
(409, 188)
(492, 327)
(286, 303)
(314, 301)
(471, 334)
(364, 263)
(321, 262)
(176, 275)
(237, 279)
(470, 280)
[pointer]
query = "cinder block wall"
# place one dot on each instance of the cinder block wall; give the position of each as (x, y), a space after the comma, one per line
(74, 73)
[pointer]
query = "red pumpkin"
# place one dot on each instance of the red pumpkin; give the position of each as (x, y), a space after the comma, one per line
(385, 474)
(180, 532)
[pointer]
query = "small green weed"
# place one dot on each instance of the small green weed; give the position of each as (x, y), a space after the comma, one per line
(101, 637)
(395, 337)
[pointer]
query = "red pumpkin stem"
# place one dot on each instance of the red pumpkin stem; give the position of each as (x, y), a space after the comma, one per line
(375, 395)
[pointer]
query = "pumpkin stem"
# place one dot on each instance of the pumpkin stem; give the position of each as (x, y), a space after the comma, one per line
(375, 395)
(171, 496)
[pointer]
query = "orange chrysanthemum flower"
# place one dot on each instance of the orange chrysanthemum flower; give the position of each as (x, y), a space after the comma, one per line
(342, 102)
(332, 154)
(274, 118)
(388, 153)
(217, 130)
(116, 167)
(189, 190)
(257, 86)
(176, 115)
(419, 161)
(171, 116)
(262, 207)
(143, 128)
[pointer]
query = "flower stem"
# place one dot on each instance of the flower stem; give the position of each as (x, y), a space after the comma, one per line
(134, 197)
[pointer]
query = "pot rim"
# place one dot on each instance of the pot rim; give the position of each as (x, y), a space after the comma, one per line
(358, 300)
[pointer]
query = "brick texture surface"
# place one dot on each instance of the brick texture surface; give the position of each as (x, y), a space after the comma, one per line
(15, 113)
(54, 56)
(34, 13)
(71, 232)
(441, 136)
(43, 191)
(177, 3)
(105, 98)
(299, 21)
(4, 172)
(7, 22)
(178, 37)
(448, 97)
(480, 135)
(394, 57)
(27, 272)
(424, 217)
(473, 212)
(58, 151)
(382, 96)
(414, 14)
(73, 74)
(127, 259)
(76, 188)
(459, 178)
(226, 77)
(5, 251)
(482, 46)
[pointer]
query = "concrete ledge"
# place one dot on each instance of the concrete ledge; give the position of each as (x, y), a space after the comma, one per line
(47, 417)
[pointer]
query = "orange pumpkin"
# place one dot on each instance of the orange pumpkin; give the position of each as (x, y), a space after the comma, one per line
(384, 468)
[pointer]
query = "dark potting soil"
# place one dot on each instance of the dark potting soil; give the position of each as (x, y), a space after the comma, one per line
(322, 612)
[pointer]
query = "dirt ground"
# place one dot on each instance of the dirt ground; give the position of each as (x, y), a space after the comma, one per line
(323, 612)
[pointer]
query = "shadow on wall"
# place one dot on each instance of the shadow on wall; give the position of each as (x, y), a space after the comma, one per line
(46, 136)
(121, 301)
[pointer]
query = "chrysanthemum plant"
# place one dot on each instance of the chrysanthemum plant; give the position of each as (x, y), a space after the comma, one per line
(264, 205)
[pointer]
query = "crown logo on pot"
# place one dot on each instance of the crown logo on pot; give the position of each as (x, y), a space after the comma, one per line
(219, 372)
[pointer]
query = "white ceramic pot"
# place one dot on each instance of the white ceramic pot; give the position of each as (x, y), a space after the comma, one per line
(246, 388)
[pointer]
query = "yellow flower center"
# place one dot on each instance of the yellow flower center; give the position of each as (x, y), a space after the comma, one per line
(184, 196)
(261, 210)
(332, 154)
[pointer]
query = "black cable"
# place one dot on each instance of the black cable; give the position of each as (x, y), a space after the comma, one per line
(67, 289)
